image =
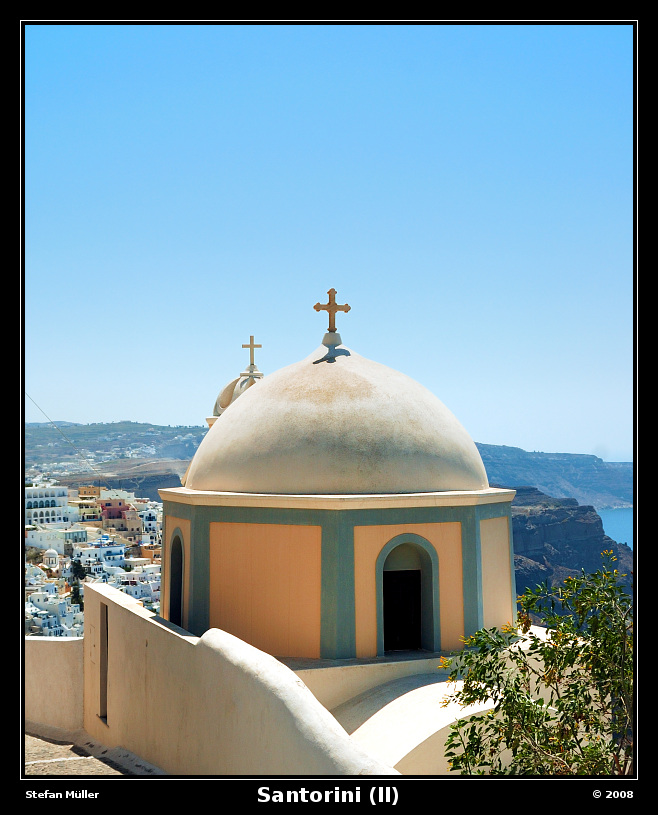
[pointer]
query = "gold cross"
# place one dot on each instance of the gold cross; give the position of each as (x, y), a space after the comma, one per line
(332, 307)
(251, 347)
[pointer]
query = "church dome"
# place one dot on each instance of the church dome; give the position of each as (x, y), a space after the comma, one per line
(235, 388)
(342, 425)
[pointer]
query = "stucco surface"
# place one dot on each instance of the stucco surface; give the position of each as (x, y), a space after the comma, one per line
(212, 705)
(353, 426)
(265, 585)
(405, 723)
(44, 699)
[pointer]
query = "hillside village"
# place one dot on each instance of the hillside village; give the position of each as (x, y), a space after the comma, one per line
(74, 537)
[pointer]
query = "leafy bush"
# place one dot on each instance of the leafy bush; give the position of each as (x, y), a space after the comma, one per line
(561, 696)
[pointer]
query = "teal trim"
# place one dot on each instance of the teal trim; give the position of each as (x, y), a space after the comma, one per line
(511, 560)
(353, 517)
(337, 621)
(429, 590)
(512, 569)
(485, 513)
(472, 573)
(338, 637)
(198, 616)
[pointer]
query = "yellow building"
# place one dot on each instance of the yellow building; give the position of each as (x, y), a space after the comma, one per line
(338, 509)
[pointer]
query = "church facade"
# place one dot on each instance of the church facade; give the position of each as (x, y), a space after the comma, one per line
(337, 510)
(316, 577)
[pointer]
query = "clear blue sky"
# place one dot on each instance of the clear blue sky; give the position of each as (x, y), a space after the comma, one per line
(467, 189)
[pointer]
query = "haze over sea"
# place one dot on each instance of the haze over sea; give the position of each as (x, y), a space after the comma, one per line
(618, 524)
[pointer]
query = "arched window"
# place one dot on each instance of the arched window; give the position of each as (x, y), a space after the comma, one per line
(176, 582)
(408, 596)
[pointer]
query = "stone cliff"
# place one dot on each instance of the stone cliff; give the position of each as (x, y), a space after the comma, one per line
(558, 537)
(587, 478)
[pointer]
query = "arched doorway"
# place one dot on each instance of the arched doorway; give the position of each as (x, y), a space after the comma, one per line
(176, 582)
(408, 599)
(402, 599)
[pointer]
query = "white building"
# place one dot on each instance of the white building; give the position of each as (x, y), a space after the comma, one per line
(116, 494)
(47, 614)
(99, 555)
(46, 504)
(51, 559)
(151, 519)
(142, 583)
(34, 576)
(62, 540)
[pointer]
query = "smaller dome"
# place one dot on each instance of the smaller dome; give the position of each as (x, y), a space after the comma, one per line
(236, 388)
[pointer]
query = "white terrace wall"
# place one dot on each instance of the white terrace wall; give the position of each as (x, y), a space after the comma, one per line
(53, 669)
(212, 705)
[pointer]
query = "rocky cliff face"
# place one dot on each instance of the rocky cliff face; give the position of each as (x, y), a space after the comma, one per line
(557, 537)
(588, 479)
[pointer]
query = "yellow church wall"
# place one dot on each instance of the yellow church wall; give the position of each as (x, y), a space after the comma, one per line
(497, 594)
(368, 543)
(172, 524)
(265, 585)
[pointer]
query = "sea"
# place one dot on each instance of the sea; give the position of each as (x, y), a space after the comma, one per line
(618, 525)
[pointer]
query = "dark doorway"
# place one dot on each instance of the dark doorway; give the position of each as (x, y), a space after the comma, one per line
(176, 583)
(402, 610)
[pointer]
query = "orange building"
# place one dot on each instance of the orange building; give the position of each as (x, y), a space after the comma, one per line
(338, 509)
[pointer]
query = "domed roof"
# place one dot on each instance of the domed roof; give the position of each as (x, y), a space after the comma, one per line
(235, 388)
(336, 424)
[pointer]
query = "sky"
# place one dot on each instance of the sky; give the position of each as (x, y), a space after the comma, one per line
(468, 189)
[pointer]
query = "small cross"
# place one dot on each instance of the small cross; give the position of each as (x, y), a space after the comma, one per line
(332, 307)
(251, 347)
